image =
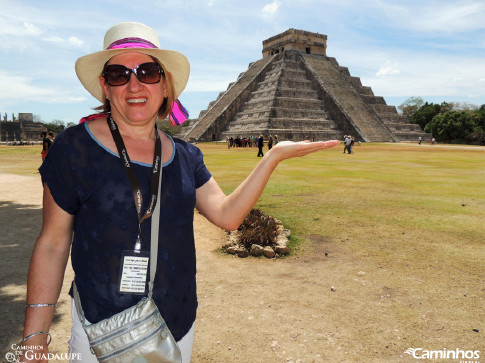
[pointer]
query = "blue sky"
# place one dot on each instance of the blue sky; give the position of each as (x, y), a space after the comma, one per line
(434, 49)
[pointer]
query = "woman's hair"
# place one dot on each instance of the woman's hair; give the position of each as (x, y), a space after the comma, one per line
(166, 106)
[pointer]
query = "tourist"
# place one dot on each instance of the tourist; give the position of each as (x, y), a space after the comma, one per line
(46, 144)
(88, 198)
(270, 142)
(260, 145)
(420, 140)
(347, 142)
(351, 145)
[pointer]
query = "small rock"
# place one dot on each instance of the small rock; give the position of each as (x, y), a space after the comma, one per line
(286, 233)
(242, 252)
(228, 244)
(256, 250)
(232, 250)
(269, 252)
(476, 330)
(333, 288)
(282, 250)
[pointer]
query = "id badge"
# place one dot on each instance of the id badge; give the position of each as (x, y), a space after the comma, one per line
(134, 272)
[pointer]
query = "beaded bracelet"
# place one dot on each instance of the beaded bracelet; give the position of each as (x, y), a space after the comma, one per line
(34, 334)
(39, 305)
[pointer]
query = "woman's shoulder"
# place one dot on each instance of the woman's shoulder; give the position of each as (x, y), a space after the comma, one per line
(187, 150)
(184, 145)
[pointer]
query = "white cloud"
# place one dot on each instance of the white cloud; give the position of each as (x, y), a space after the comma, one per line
(18, 87)
(22, 88)
(270, 9)
(75, 41)
(32, 29)
(388, 70)
(455, 16)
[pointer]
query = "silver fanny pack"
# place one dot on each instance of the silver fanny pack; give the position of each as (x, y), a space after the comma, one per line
(138, 334)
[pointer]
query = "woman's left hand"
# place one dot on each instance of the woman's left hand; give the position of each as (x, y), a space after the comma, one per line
(289, 149)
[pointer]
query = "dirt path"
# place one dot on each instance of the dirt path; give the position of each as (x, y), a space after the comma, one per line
(322, 305)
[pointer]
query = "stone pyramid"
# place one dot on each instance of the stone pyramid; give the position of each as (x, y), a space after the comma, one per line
(296, 92)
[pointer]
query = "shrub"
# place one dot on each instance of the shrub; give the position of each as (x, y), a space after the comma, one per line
(258, 228)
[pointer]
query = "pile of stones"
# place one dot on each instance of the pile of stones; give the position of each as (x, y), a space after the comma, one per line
(278, 248)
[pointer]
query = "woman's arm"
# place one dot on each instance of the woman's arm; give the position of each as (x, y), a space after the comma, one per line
(47, 267)
(228, 212)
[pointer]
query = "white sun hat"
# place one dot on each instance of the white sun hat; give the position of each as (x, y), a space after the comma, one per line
(131, 37)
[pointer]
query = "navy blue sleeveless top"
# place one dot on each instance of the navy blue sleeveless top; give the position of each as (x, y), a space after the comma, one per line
(88, 181)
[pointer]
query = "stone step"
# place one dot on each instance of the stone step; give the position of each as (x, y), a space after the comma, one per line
(374, 100)
(384, 109)
(393, 117)
(284, 92)
(286, 102)
(411, 136)
(403, 127)
(282, 112)
(320, 124)
(303, 124)
(297, 93)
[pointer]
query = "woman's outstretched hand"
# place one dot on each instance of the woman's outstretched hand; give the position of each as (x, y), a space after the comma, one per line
(289, 149)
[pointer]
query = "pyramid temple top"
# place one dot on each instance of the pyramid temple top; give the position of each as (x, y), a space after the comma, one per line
(297, 40)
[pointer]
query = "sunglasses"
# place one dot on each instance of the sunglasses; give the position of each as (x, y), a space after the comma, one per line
(118, 75)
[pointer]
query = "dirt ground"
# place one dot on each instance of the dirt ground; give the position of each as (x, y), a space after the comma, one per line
(321, 305)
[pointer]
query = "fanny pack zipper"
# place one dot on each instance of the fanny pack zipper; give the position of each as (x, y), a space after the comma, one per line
(123, 329)
(133, 345)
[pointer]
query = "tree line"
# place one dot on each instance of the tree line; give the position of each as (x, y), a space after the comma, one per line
(456, 123)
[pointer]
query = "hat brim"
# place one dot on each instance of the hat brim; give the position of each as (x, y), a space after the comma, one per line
(89, 68)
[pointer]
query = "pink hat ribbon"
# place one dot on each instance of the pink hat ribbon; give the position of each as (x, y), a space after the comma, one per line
(131, 43)
(178, 115)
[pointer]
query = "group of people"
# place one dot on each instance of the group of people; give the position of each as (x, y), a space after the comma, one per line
(98, 195)
(250, 141)
(349, 142)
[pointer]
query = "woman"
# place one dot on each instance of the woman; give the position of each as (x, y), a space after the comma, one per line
(89, 200)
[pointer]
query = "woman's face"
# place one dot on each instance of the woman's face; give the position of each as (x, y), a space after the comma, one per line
(134, 102)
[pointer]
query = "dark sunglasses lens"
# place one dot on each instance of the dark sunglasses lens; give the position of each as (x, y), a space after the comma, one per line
(117, 75)
(148, 73)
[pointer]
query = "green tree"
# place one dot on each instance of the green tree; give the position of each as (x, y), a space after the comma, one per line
(425, 114)
(410, 106)
(479, 118)
(56, 126)
(454, 126)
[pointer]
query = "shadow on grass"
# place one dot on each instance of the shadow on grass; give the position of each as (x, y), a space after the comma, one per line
(20, 226)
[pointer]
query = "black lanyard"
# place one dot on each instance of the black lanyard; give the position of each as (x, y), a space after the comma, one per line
(130, 173)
